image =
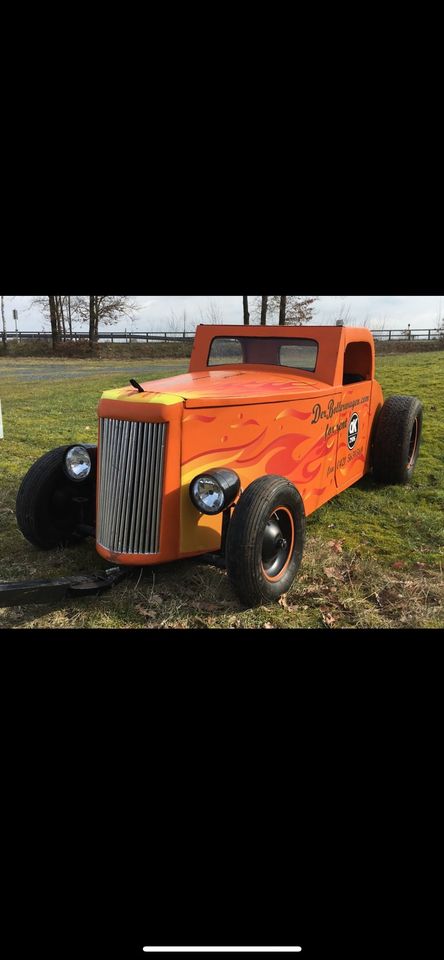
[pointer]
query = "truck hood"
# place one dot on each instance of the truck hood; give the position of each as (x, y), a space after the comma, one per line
(208, 388)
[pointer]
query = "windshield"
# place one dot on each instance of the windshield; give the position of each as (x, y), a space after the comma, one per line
(276, 351)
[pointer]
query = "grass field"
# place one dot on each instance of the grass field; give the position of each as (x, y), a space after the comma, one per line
(373, 557)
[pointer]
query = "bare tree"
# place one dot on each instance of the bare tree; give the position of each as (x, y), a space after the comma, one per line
(3, 321)
(53, 318)
(96, 310)
(299, 310)
(52, 309)
(260, 310)
(378, 324)
(292, 310)
(180, 324)
(61, 317)
(68, 308)
(245, 310)
(212, 313)
(264, 307)
(173, 322)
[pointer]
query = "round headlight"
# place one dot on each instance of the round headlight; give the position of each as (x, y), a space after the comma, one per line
(207, 494)
(78, 463)
(215, 490)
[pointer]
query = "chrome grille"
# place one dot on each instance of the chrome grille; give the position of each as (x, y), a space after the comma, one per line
(131, 457)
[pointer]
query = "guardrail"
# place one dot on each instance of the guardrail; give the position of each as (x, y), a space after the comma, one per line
(171, 337)
(409, 334)
(111, 337)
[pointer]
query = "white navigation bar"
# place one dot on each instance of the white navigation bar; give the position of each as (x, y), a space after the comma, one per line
(222, 949)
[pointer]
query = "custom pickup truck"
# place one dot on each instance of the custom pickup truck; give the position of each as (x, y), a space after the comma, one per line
(228, 459)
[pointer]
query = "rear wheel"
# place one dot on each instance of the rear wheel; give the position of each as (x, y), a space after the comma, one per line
(265, 540)
(49, 506)
(397, 439)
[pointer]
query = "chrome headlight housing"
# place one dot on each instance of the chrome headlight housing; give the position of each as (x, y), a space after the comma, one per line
(77, 463)
(214, 491)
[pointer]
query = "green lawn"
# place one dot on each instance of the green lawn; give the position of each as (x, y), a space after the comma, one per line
(374, 555)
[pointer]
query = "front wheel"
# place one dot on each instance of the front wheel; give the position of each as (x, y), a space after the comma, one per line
(49, 506)
(265, 540)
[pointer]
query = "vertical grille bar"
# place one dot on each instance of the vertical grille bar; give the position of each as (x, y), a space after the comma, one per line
(131, 463)
(156, 519)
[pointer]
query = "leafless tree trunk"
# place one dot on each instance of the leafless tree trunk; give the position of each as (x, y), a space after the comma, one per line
(282, 309)
(68, 305)
(245, 308)
(264, 304)
(3, 322)
(62, 318)
(53, 318)
(93, 321)
(59, 319)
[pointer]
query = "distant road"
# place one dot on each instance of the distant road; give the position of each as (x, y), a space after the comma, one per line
(28, 369)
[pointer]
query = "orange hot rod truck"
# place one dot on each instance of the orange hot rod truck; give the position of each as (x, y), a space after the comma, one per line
(228, 459)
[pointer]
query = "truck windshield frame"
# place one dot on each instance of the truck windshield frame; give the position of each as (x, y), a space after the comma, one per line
(270, 351)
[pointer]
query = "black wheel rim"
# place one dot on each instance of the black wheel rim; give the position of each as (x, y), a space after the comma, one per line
(277, 544)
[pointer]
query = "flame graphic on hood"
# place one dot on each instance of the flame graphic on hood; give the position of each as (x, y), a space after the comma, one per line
(198, 416)
(282, 460)
(238, 447)
(299, 414)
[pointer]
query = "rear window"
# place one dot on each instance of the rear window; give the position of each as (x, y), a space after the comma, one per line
(225, 350)
(276, 351)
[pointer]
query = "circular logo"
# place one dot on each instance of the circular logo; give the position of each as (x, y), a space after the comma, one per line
(353, 429)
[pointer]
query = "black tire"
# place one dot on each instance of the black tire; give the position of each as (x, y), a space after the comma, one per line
(47, 513)
(397, 439)
(259, 568)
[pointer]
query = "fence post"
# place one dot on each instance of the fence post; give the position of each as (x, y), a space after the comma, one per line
(428, 336)
(390, 334)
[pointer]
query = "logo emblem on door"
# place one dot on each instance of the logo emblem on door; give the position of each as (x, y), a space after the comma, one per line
(353, 429)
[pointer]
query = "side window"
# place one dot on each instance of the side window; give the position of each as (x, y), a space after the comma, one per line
(225, 350)
(300, 354)
(357, 363)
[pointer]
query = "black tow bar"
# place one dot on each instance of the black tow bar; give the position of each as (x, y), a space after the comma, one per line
(45, 591)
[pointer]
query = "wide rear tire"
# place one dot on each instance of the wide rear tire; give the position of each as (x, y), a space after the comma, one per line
(397, 439)
(265, 540)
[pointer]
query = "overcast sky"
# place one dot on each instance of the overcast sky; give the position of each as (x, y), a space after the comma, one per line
(154, 313)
